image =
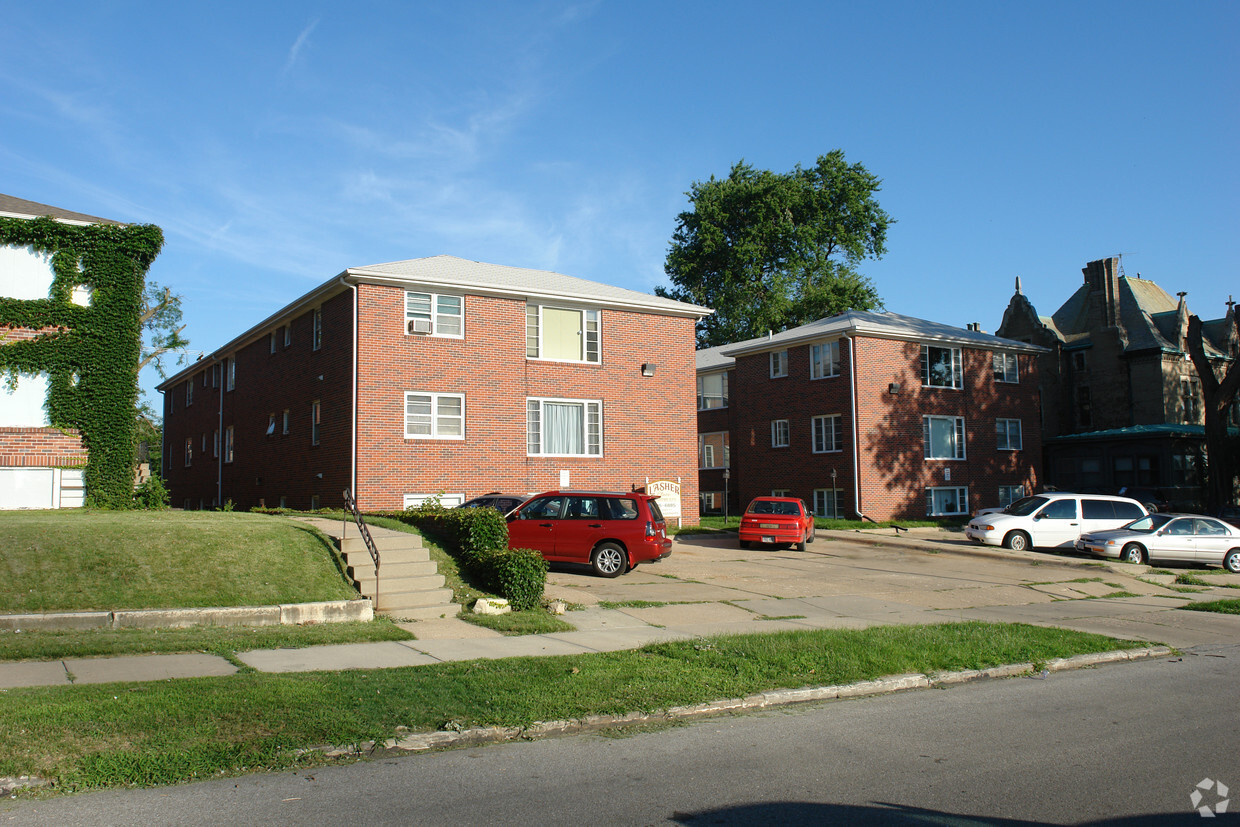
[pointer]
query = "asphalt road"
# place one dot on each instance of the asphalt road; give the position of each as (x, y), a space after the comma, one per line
(1120, 744)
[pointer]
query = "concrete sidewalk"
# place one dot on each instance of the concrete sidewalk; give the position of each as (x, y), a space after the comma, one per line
(709, 587)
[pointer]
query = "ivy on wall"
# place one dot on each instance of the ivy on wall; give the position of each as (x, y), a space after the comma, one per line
(90, 354)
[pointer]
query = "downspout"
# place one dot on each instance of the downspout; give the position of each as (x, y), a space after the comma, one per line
(856, 450)
(353, 417)
(219, 438)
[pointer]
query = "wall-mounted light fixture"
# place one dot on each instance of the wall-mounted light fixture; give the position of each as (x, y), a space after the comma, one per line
(648, 368)
(319, 476)
(894, 387)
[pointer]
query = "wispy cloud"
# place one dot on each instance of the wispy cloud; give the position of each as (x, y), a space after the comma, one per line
(298, 45)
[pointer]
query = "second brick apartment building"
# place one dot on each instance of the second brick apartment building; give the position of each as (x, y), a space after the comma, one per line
(439, 377)
(869, 415)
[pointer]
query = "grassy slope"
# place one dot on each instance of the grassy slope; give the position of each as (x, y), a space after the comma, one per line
(76, 560)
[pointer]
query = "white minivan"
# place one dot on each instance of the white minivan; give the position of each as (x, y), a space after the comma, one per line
(1052, 520)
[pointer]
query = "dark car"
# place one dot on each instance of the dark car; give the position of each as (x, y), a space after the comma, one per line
(777, 520)
(1229, 514)
(610, 531)
(1152, 498)
(503, 503)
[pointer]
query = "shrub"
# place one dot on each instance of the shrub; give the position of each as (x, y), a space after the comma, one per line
(151, 495)
(518, 574)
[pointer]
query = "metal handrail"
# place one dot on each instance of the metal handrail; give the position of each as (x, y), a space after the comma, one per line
(351, 505)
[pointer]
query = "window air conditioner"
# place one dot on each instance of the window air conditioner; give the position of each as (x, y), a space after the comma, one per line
(420, 326)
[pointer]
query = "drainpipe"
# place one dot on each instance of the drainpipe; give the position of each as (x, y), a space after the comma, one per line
(856, 451)
(353, 425)
(219, 446)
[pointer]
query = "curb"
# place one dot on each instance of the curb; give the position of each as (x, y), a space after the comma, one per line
(284, 614)
(477, 736)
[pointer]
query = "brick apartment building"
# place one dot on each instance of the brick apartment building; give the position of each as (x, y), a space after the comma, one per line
(1121, 400)
(40, 465)
(438, 377)
(869, 414)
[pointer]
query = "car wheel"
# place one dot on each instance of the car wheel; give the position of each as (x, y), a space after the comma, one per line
(1231, 561)
(810, 538)
(801, 543)
(1017, 541)
(1133, 553)
(745, 544)
(609, 560)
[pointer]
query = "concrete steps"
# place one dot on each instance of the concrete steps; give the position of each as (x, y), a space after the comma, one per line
(409, 585)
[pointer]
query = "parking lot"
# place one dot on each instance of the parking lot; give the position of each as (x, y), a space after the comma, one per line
(853, 579)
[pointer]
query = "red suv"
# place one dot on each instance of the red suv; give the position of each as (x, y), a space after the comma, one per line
(611, 531)
(777, 520)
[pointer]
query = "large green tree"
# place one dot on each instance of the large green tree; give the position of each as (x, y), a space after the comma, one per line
(769, 251)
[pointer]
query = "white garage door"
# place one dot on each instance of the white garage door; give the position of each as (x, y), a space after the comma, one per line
(27, 488)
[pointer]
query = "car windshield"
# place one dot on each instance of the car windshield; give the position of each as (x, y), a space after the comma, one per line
(1025, 506)
(1148, 524)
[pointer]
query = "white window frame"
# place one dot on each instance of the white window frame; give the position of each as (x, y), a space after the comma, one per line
(439, 415)
(189, 451)
(962, 500)
(288, 419)
(437, 313)
(189, 393)
(820, 426)
(288, 334)
(1005, 430)
(591, 420)
(231, 374)
(824, 360)
(703, 399)
(591, 350)
(706, 450)
(956, 380)
(316, 421)
(958, 436)
(780, 433)
(1009, 494)
(215, 444)
(316, 340)
(822, 497)
(1006, 368)
(779, 364)
(780, 492)
(229, 444)
(273, 341)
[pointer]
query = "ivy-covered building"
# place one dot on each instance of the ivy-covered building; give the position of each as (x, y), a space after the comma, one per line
(70, 335)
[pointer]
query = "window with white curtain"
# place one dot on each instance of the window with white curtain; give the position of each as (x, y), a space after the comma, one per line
(564, 427)
(943, 436)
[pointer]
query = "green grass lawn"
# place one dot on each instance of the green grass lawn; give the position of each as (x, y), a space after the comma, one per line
(148, 734)
(82, 559)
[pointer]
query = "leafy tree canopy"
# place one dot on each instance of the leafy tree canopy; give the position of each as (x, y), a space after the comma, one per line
(769, 251)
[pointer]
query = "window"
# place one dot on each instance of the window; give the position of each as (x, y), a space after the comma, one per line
(779, 433)
(713, 450)
(941, 367)
(779, 492)
(829, 502)
(204, 378)
(1184, 470)
(828, 434)
(824, 360)
(1079, 363)
(189, 393)
(946, 502)
(1007, 434)
(215, 443)
(712, 502)
(779, 364)
(228, 444)
(316, 418)
(287, 422)
(273, 341)
(1190, 399)
(561, 333)
(943, 436)
(1084, 408)
(317, 335)
(232, 373)
(564, 427)
(443, 315)
(434, 416)
(288, 339)
(712, 391)
(271, 425)
(204, 443)
(1009, 494)
(189, 452)
(314, 502)
(1006, 367)
(215, 375)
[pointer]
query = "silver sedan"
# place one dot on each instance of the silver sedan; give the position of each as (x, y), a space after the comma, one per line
(1189, 538)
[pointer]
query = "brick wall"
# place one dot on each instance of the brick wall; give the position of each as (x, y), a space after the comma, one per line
(41, 448)
(894, 472)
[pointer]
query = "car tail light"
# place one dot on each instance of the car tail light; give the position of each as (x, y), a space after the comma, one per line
(649, 529)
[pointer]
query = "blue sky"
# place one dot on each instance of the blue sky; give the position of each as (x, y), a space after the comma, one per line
(277, 144)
